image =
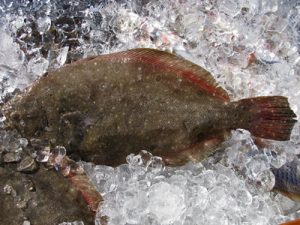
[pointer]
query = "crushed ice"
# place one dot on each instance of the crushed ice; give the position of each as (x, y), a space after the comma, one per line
(251, 47)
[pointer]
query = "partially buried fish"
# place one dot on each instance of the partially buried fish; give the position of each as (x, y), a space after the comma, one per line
(287, 179)
(106, 107)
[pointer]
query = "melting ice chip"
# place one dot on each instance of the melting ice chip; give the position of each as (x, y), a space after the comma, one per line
(43, 24)
(166, 202)
(37, 66)
(11, 56)
(62, 55)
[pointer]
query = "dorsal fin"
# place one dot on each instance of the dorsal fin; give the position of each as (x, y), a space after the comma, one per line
(170, 62)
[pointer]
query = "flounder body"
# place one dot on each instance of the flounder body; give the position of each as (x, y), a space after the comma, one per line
(104, 108)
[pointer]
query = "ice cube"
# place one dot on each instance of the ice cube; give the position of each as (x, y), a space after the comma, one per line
(266, 180)
(277, 159)
(243, 196)
(37, 66)
(269, 6)
(166, 202)
(62, 56)
(11, 56)
(101, 176)
(230, 7)
(43, 24)
(199, 197)
(257, 164)
(134, 204)
(218, 197)
(215, 217)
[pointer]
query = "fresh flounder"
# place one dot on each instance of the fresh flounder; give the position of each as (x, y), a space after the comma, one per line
(106, 107)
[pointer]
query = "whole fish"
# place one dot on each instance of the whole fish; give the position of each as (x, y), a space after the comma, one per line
(106, 107)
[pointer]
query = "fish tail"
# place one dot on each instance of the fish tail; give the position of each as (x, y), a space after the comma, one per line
(267, 117)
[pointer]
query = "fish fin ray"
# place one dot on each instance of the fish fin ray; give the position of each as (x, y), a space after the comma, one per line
(269, 117)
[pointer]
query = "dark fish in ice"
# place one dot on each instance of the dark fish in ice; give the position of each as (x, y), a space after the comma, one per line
(106, 107)
(287, 180)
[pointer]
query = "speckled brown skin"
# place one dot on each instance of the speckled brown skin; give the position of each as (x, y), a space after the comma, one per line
(105, 107)
(43, 198)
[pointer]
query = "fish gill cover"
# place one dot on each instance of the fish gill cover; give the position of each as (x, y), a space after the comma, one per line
(250, 46)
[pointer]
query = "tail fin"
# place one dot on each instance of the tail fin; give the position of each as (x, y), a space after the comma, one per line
(268, 117)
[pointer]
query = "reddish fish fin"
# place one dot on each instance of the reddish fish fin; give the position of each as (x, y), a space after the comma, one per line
(87, 190)
(294, 222)
(79, 179)
(168, 62)
(268, 117)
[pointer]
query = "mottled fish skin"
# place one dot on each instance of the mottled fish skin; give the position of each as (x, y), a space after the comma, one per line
(48, 197)
(287, 180)
(104, 108)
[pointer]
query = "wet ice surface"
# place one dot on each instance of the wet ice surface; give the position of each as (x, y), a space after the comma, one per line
(252, 49)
